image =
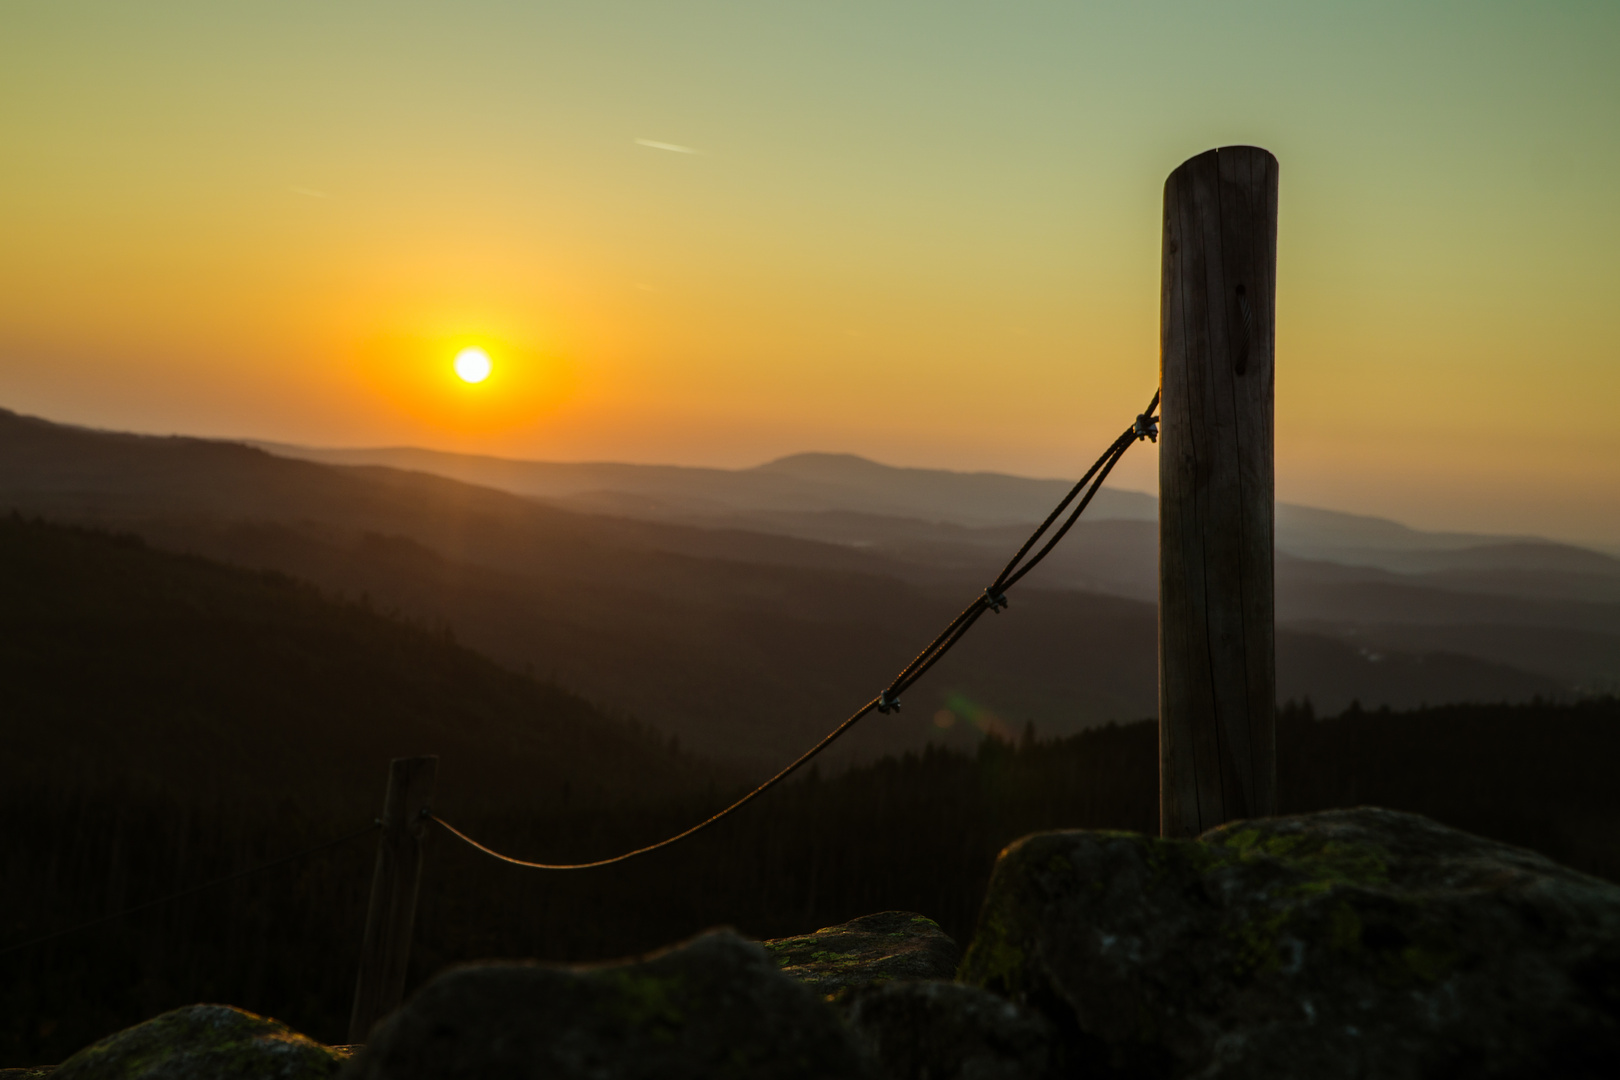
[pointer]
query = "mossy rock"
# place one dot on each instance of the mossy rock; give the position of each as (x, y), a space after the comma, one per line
(714, 1008)
(203, 1042)
(1348, 943)
(869, 951)
(926, 1030)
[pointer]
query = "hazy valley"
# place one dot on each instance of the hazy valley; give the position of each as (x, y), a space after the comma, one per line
(745, 612)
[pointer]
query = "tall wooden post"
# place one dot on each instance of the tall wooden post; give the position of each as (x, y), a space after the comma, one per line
(385, 952)
(1217, 658)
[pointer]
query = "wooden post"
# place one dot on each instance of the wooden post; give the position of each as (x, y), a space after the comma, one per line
(386, 949)
(1217, 658)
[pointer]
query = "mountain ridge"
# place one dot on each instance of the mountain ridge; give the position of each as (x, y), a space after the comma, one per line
(744, 644)
(1301, 529)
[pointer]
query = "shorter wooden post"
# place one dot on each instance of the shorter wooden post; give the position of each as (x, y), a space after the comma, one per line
(386, 949)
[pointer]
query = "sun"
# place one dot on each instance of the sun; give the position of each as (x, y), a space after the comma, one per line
(473, 365)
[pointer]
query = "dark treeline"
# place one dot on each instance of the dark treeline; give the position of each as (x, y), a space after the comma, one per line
(168, 720)
(919, 832)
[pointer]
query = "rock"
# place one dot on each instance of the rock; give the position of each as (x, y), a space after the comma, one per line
(1351, 943)
(872, 949)
(713, 1007)
(203, 1042)
(948, 1031)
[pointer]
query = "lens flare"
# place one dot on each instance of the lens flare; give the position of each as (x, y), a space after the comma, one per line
(473, 365)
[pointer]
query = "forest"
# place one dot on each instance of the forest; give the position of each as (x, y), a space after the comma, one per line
(172, 720)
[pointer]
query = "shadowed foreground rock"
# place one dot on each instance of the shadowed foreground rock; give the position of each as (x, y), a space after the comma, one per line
(884, 972)
(1353, 943)
(203, 1042)
(714, 1007)
(947, 1031)
(872, 949)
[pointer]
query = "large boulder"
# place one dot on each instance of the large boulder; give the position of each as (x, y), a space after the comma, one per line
(867, 951)
(714, 1007)
(948, 1031)
(1352, 943)
(203, 1042)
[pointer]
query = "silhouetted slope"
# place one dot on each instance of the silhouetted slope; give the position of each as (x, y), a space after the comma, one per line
(850, 499)
(1367, 581)
(743, 644)
(175, 675)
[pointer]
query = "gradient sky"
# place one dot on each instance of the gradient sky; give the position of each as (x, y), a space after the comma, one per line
(924, 232)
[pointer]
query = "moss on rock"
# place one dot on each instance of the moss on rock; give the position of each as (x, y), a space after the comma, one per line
(203, 1042)
(869, 951)
(1347, 943)
(713, 1008)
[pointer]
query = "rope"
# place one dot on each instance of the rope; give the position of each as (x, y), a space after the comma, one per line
(375, 825)
(993, 598)
(705, 823)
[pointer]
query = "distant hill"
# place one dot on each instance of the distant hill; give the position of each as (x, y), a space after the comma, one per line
(745, 644)
(837, 497)
(179, 677)
(1549, 608)
(799, 484)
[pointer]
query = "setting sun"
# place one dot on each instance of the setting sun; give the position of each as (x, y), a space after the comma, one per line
(473, 365)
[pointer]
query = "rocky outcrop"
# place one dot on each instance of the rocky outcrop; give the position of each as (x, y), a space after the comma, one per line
(714, 1007)
(1354, 943)
(884, 974)
(948, 1031)
(867, 951)
(203, 1042)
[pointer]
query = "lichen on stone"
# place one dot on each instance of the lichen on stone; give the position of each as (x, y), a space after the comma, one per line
(208, 1042)
(1341, 944)
(871, 950)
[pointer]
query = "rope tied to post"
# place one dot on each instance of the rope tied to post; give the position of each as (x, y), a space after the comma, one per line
(993, 598)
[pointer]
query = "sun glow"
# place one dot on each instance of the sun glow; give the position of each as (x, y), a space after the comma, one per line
(467, 384)
(473, 365)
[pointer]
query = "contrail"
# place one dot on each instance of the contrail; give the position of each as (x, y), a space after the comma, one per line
(666, 146)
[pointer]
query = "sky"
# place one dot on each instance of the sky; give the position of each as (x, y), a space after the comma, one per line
(717, 233)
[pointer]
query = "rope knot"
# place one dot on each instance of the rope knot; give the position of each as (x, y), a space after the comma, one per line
(994, 601)
(1146, 427)
(888, 703)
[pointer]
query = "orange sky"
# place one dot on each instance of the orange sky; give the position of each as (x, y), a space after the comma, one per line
(927, 233)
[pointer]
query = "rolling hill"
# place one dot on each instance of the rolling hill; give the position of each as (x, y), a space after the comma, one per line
(178, 677)
(745, 644)
(1542, 606)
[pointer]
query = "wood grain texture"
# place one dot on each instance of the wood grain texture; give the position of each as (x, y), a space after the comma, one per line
(1217, 658)
(385, 951)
